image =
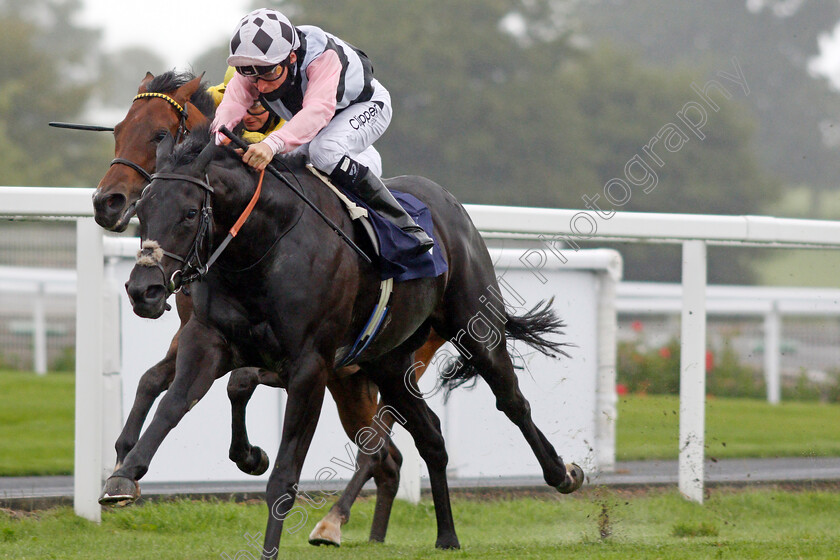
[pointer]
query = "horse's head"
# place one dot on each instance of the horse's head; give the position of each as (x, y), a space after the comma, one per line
(164, 104)
(176, 223)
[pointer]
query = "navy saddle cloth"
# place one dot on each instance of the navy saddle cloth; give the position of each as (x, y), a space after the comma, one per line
(393, 240)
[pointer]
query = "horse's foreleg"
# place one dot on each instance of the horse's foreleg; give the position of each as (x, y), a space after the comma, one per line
(356, 399)
(386, 483)
(421, 422)
(306, 396)
(152, 383)
(250, 459)
(203, 356)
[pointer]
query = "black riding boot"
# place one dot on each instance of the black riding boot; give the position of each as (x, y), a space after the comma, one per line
(354, 176)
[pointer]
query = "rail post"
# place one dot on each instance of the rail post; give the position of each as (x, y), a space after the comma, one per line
(87, 472)
(693, 371)
(772, 353)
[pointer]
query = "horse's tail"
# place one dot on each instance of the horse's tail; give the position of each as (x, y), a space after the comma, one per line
(531, 328)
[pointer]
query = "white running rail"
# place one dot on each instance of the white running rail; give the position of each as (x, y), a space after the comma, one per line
(556, 230)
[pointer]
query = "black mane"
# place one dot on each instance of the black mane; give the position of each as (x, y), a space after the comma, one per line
(292, 162)
(171, 80)
(186, 152)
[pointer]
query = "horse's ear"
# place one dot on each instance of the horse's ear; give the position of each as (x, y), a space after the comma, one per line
(165, 147)
(144, 84)
(205, 157)
(186, 91)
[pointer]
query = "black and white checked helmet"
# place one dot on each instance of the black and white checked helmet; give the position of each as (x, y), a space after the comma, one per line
(262, 38)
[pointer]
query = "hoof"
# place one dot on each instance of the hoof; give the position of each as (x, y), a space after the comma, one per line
(574, 479)
(449, 543)
(119, 491)
(325, 532)
(255, 464)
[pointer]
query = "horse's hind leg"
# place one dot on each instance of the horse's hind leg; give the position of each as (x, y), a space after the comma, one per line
(490, 359)
(387, 484)
(241, 385)
(509, 399)
(386, 474)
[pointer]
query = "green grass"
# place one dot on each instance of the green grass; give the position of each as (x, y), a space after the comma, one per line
(36, 426)
(762, 523)
(36, 423)
(648, 428)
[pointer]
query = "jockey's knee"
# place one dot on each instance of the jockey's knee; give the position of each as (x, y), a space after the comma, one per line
(371, 159)
(325, 153)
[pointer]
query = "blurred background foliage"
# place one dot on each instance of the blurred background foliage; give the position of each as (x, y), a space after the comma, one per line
(516, 102)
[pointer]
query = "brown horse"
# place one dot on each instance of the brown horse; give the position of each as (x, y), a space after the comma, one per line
(174, 104)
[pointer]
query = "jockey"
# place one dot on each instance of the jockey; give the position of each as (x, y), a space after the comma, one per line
(324, 88)
(257, 122)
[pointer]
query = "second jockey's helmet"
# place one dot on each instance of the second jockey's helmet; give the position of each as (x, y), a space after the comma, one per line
(262, 38)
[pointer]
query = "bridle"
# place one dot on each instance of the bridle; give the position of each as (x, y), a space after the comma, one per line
(181, 133)
(193, 268)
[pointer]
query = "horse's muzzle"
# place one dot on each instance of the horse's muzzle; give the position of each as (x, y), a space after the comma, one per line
(109, 210)
(146, 292)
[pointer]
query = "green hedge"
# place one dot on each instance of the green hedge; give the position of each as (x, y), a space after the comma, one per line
(657, 371)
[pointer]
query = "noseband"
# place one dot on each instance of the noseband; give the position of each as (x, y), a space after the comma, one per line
(193, 268)
(181, 133)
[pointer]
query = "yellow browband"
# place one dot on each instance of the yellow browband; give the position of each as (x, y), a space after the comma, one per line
(164, 97)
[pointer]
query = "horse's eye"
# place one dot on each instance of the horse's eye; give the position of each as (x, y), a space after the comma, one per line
(159, 136)
(192, 213)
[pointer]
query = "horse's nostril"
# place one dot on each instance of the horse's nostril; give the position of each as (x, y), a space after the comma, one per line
(154, 293)
(110, 203)
(115, 202)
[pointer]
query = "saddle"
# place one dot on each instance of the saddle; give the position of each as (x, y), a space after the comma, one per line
(386, 240)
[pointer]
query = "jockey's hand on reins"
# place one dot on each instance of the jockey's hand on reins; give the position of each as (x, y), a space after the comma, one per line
(241, 144)
(258, 156)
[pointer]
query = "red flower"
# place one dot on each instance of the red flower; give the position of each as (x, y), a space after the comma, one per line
(665, 352)
(636, 326)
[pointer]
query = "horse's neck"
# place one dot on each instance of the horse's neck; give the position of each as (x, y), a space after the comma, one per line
(274, 214)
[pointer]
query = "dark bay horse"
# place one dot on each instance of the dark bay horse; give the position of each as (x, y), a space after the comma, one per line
(287, 294)
(174, 103)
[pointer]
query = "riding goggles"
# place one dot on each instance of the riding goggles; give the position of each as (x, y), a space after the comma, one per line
(264, 73)
(258, 112)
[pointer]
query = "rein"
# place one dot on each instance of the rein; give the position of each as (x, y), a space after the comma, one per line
(182, 132)
(193, 268)
(239, 143)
